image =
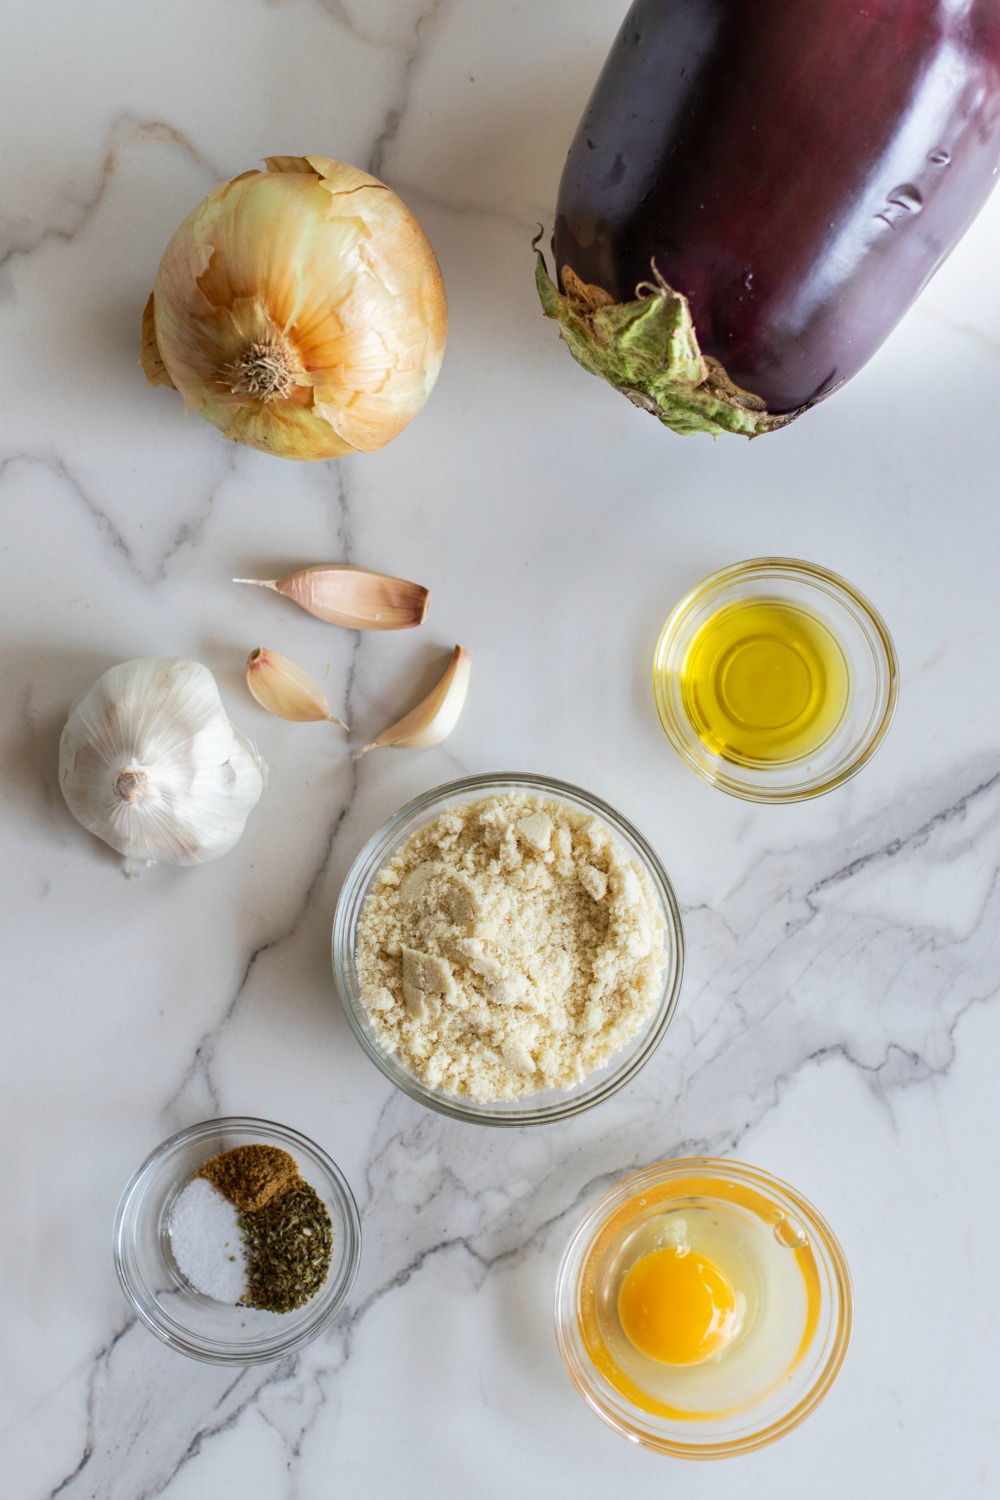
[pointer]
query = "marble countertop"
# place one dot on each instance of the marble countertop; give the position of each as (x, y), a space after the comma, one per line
(839, 1021)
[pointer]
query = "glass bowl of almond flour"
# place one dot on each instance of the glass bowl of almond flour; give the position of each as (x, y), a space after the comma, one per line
(508, 950)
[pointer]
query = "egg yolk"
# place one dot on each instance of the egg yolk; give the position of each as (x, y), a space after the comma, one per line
(675, 1306)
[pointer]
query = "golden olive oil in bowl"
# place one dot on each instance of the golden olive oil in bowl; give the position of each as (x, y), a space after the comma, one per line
(764, 681)
(775, 680)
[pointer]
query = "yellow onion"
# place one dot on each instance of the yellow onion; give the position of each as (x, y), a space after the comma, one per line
(300, 309)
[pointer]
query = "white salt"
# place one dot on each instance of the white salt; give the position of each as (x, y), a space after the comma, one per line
(205, 1238)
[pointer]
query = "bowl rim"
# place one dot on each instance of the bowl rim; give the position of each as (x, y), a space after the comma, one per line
(841, 1313)
(812, 574)
(131, 1202)
(373, 855)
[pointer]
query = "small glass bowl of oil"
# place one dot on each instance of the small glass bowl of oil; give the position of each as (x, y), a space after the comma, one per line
(775, 680)
(703, 1308)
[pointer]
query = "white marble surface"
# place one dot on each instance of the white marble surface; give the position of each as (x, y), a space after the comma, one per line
(839, 1017)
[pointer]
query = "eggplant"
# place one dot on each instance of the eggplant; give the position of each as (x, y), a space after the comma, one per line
(758, 191)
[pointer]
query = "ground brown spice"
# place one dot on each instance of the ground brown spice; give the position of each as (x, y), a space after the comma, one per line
(251, 1176)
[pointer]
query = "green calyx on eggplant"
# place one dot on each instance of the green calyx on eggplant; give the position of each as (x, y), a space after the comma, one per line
(647, 348)
(757, 193)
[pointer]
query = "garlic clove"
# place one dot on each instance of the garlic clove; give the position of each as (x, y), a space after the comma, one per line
(354, 597)
(285, 690)
(149, 762)
(435, 717)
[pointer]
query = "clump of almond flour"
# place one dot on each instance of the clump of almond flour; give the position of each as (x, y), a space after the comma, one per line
(511, 945)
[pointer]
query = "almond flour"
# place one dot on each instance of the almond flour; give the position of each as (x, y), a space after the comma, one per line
(510, 945)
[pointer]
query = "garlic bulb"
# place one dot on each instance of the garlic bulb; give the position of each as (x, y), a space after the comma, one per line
(149, 762)
(300, 309)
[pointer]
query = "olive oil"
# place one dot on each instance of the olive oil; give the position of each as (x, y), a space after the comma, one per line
(764, 682)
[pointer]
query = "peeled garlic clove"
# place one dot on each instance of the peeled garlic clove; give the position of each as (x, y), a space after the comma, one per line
(433, 719)
(149, 762)
(285, 690)
(354, 597)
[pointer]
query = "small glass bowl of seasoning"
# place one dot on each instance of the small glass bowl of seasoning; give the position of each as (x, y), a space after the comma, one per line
(547, 835)
(237, 1241)
(703, 1308)
(775, 680)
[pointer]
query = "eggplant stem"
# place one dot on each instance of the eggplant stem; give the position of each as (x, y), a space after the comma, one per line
(648, 349)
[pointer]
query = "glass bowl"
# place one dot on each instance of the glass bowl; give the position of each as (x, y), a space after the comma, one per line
(858, 635)
(529, 1109)
(169, 1306)
(797, 1324)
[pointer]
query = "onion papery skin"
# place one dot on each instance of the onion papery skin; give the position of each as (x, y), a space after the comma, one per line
(757, 193)
(300, 310)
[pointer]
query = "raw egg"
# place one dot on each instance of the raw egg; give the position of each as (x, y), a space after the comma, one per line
(676, 1306)
(701, 1297)
(703, 1308)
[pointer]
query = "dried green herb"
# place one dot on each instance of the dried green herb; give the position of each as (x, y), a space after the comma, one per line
(288, 1245)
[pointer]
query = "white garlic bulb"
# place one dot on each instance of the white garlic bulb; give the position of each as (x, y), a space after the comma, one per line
(149, 762)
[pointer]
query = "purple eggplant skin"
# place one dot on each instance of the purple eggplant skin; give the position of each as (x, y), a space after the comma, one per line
(795, 169)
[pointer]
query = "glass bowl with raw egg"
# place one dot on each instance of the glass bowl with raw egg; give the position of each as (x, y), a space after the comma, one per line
(775, 680)
(508, 950)
(703, 1308)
